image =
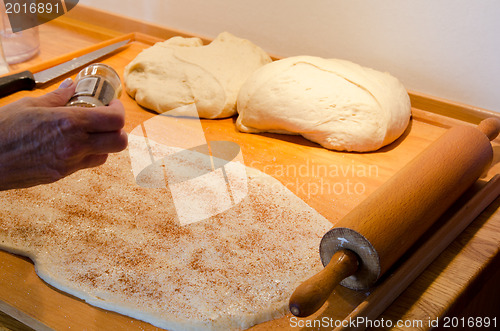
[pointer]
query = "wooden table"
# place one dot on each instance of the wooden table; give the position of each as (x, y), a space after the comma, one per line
(461, 282)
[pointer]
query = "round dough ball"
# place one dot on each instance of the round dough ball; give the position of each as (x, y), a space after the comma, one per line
(182, 71)
(335, 103)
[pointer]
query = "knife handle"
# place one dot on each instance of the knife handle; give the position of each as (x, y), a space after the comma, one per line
(16, 82)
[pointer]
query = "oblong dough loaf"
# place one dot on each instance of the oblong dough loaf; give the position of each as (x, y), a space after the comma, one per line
(336, 103)
(182, 71)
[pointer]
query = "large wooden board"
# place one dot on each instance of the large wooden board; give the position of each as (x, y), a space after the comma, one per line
(331, 182)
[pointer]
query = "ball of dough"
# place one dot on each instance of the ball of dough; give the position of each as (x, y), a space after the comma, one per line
(335, 103)
(181, 71)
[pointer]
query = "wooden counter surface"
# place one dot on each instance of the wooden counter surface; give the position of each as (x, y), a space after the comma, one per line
(458, 282)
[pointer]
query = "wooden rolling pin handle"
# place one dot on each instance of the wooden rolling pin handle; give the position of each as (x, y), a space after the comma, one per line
(490, 127)
(309, 296)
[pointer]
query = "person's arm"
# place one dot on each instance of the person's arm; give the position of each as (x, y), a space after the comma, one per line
(41, 141)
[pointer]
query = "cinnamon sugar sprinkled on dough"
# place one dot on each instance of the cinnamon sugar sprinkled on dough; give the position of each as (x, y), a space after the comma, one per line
(100, 237)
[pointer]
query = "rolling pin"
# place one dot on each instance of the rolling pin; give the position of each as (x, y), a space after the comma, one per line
(369, 239)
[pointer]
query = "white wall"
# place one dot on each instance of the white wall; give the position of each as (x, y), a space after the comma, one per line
(446, 48)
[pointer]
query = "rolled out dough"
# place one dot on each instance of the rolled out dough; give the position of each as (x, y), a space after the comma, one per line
(336, 103)
(102, 238)
(181, 71)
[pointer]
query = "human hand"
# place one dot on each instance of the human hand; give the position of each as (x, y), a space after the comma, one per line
(42, 141)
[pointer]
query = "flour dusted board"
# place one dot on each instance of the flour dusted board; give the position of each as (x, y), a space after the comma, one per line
(293, 161)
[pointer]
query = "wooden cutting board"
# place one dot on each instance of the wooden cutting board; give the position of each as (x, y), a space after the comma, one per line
(331, 182)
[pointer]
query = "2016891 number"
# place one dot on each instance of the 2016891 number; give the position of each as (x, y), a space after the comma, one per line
(32, 8)
(469, 322)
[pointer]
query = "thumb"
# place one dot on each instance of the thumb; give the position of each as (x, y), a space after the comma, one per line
(58, 97)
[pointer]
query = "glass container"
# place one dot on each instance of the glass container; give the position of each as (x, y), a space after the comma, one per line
(96, 85)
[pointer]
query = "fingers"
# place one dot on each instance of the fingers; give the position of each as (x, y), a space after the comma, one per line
(89, 131)
(105, 119)
(66, 83)
(99, 119)
(73, 148)
(74, 155)
(56, 98)
(108, 142)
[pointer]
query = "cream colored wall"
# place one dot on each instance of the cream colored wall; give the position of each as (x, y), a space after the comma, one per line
(446, 48)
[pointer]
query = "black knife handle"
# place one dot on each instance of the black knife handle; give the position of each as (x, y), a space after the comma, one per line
(16, 82)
